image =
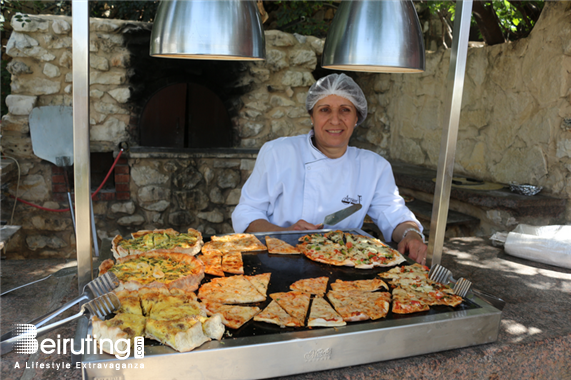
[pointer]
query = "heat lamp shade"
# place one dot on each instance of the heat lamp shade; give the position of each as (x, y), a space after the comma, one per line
(208, 29)
(375, 36)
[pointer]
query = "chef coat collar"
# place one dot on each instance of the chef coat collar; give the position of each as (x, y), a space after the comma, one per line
(317, 154)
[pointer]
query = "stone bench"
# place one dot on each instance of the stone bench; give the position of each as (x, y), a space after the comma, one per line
(496, 209)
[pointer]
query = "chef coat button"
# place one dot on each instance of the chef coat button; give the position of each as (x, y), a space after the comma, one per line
(309, 168)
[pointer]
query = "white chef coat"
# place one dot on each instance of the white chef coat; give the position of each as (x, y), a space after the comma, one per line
(293, 180)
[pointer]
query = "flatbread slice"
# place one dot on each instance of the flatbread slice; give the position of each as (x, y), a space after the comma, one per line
(260, 282)
(275, 314)
(230, 290)
(280, 247)
(362, 285)
(407, 302)
(213, 264)
(239, 242)
(183, 334)
(316, 286)
(344, 304)
(322, 314)
(232, 262)
(376, 305)
(232, 316)
(294, 303)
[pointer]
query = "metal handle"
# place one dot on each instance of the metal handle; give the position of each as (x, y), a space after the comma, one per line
(29, 283)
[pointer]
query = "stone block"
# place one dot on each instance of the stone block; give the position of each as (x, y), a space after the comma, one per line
(189, 178)
(153, 193)
(121, 95)
(11, 122)
(61, 27)
(37, 86)
(233, 197)
(144, 175)
(112, 130)
(276, 60)
(107, 77)
(228, 178)
(56, 42)
(278, 38)
(194, 200)
(51, 71)
(109, 108)
(131, 220)
(17, 145)
(98, 63)
(214, 216)
(250, 129)
(30, 23)
(21, 104)
(16, 67)
(303, 58)
(180, 218)
(216, 196)
(159, 206)
(280, 101)
(123, 208)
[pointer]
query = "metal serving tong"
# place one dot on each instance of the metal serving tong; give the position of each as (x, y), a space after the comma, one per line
(101, 285)
(440, 274)
(100, 306)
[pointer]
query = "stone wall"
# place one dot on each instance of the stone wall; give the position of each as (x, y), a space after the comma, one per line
(515, 125)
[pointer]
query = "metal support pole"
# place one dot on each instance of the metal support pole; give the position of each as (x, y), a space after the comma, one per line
(80, 35)
(455, 85)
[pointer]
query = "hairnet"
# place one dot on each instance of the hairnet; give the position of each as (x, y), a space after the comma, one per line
(340, 85)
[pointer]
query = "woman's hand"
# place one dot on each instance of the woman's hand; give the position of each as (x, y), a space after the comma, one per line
(262, 225)
(302, 225)
(411, 243)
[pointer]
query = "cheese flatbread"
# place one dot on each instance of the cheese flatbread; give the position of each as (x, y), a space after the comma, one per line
(232, 262)
(322, 314)
(294, 303)
(167, 240)
(280, 247)
(362, 285)
(230, 290)
(275, 314)
(233, 316)
(260, 282)
(237, 242)
(212, 264)
(316, 286)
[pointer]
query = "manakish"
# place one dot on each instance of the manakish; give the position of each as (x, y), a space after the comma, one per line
(212, 264)
(275, 314)
(355, 305)
(232, 316)
(280, 247)
(316, 286)
(362, 285)
(322, 314)
(230, 290)
(260, 282)
(232, 262)
(294, 303)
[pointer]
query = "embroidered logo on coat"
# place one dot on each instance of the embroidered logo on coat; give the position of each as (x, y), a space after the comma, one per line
(351, 201)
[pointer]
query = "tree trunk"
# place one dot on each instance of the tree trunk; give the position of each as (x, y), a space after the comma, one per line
(488, 23)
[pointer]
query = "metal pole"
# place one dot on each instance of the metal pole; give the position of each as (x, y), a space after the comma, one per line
(455, 85)
(80, 35)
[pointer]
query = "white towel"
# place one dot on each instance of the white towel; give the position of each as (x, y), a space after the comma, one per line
(545, 244)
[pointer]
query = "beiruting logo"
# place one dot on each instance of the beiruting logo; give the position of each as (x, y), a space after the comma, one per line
(28, 344)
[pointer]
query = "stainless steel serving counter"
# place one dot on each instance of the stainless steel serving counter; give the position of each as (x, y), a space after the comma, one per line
(260, 350)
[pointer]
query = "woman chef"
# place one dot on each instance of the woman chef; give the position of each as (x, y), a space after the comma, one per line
(299, 180)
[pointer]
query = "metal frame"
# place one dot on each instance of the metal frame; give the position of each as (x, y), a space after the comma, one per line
(80, 47)
(455, 85)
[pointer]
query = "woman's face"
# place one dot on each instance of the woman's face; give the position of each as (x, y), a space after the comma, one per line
(334, 119)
